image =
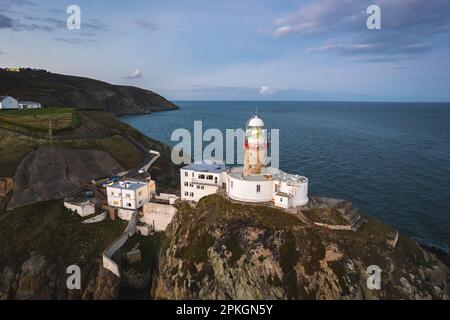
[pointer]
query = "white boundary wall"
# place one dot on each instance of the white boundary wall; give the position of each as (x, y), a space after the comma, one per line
(108, 262)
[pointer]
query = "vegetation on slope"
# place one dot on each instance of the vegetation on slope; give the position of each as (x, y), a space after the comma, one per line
(54, 90)
(96, 130)
(49, 229)
(39, 119)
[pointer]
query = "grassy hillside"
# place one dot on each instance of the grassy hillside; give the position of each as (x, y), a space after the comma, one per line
(55, 90)
(93, 130)
(40, 119)
(51, 230)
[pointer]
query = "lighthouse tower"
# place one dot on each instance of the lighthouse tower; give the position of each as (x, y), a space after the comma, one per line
(255, 146)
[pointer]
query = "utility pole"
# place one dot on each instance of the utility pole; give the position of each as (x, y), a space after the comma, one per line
(50, 130)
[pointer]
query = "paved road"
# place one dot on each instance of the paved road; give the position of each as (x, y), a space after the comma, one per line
(150, 156)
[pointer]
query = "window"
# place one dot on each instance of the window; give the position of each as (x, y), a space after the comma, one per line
(186, 194)
(258, 188)
(209, 177)
(140, 193)
(202, 187)
(129, 204)
(192, 194)
(198, 187)
(112, 193)
(116, 203)
(276, 187)
(191, 185)
(231, 184)
(128, 195)
(215, 180)
(185, 173)
(186, 184)
(140, 202)
(281, 199)
(201, 176)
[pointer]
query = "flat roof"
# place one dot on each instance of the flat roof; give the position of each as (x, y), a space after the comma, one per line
(206, 167)
(267, 173)
(28, 102)
(128, 185)
(250, 177)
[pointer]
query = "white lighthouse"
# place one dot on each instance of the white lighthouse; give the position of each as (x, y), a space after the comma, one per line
(254, 182)
(255, 146)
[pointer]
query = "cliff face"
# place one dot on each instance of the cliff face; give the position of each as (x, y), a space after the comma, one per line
(38, 243)
(223, 250)
(37, 279)
(57, 90)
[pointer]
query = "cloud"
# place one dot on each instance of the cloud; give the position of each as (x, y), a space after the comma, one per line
(284, 30)
(76, 40)
(50, 20)
(6, 5)
(269, 90)
(5, 22)
(135, 75)
(145, 24)
(408, 27)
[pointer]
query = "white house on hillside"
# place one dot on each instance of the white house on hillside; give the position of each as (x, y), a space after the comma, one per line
(29, 105)
(130, 195)
(7, 102)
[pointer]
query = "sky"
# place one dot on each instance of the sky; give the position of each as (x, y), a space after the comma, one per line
(240, 50)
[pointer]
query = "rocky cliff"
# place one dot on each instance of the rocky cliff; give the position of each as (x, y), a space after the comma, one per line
(37, 244)
(57, 90)
(224, 250)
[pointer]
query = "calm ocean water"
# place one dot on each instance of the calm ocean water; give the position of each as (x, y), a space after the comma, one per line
(392, 160)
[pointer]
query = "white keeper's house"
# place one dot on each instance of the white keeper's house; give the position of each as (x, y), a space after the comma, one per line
(254, 182)
(128, 194)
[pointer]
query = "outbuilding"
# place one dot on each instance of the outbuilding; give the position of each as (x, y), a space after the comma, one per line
(29, 105)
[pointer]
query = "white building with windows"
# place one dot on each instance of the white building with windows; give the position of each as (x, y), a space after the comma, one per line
(7, 102)
(254, 182)
(130, 195)
(29, 105)
(199, 180)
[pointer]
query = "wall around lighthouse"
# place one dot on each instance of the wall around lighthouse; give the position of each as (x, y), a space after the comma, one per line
(247, 190)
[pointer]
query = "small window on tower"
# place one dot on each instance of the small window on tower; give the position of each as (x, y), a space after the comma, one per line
(258, 188)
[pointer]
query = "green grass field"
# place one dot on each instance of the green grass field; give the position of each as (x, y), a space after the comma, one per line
(39, 119)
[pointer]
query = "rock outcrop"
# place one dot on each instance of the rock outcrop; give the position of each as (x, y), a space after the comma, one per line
(39, 279)
(51, 173)
(224, 250)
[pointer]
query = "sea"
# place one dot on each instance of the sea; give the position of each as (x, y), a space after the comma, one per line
(391, 160)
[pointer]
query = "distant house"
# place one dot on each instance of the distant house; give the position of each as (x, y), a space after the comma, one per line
(29, 105)
(7, 102)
